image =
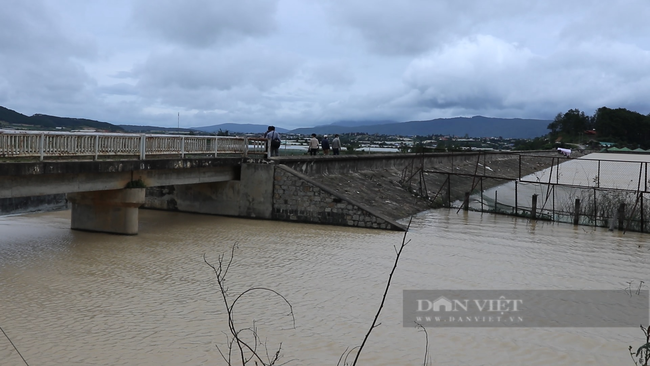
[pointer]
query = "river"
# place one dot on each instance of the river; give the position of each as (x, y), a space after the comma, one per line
(78, 298)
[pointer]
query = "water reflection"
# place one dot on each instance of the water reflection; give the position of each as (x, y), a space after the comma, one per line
(78, 298)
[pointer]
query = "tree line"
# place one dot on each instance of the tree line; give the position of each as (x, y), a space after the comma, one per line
(620, 126)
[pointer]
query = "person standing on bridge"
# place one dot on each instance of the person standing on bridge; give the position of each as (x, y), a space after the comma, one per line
(326, 145)
(336, 144)
(274, 140)
(313, 145)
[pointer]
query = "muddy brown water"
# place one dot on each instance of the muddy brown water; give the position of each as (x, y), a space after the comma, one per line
(79, 298)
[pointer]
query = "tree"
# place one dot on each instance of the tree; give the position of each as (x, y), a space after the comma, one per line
(555, 126)
(352, 146)
(420, 148)
(573, 122)
(623, 125)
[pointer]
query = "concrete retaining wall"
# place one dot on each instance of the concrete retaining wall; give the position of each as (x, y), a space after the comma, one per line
(269, 191)
(298, 198)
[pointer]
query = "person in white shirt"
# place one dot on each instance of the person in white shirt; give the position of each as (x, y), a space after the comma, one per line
(313, 145)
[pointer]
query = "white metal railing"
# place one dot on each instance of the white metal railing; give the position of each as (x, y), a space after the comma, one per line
(49, 144)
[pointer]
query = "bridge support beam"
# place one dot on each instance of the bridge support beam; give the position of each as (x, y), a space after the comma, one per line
(113, 211)
(251, 195)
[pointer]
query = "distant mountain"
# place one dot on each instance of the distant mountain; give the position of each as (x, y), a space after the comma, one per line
(150, 129)
(241, 128)
(11, 117)
(361, 123)
(477, 126)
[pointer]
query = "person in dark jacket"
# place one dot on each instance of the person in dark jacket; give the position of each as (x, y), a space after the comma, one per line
(325, 144)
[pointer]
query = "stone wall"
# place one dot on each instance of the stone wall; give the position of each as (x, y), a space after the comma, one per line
(297, 197)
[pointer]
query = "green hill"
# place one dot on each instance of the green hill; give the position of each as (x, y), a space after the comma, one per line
(12, 119)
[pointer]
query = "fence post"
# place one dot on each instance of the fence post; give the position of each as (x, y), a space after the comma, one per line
(576, 212)
(183, 147)
(621, 216)
(482, 192)
(143, 146)
(595, 210)
(496, 195)
(466, 202)
(97, 147)
(216, 140)
(553, 207)
(533, 210)
(642, 224)
(41, 145)
(448, 190)
(516, 193)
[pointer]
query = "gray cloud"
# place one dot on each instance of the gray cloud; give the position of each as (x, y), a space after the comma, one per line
(305, 62)
(202, 23)
(412, 27)
(222, 69)
(30, 29)
(40, 59)
(487, 75)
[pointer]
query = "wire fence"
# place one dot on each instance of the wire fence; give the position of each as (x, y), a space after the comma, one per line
(595, 192)
(589, 173)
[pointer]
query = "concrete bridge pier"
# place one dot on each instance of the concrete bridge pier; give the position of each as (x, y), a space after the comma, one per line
(112, 211)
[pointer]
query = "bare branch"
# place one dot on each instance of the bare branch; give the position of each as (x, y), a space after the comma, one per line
(383, 299)
(426, 344)
(346, 350)
(248, 352)
(293, 318)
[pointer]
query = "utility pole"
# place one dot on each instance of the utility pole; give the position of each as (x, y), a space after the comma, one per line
(179, 121)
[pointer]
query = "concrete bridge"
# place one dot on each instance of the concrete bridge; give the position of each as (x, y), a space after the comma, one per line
(108, 177)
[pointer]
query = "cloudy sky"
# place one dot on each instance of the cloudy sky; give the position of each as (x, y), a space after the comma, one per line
(301, 63)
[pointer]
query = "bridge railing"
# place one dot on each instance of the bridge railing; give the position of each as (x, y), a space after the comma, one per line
(15, 144)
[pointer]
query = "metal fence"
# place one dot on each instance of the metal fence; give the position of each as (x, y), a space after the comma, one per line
(15, 144)
(589, 173)
(596, 192)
